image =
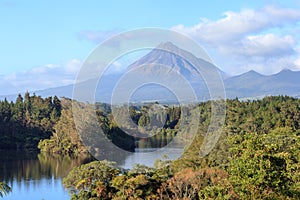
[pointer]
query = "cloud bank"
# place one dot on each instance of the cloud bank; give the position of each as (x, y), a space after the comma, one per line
(41, 77)
(265, 40)
(53, 75)
(251, 39)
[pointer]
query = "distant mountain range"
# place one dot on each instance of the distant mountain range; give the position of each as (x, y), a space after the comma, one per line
(249, 85)
(253, 84)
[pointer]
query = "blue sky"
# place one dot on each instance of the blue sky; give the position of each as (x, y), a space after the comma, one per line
(43, 43)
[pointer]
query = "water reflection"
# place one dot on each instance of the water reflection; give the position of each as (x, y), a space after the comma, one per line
(35, 174)
(39, 175)
(18, 165)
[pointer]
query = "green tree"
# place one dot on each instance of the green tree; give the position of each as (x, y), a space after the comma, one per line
(65, 139)
(26, 121)
(4, 189)
(92, 180)
(266, 166)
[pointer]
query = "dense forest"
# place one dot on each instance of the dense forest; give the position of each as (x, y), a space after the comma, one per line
(65, 139)
(47, 123)
(256, 157)
(28, 120)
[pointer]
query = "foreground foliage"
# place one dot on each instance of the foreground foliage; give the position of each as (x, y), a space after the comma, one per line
(4, 189)
(256, 157)
(266, 166)
(257, 154)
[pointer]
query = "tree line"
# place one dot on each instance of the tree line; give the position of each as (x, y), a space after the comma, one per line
(28, 120)
(65, 138)
(256, 157)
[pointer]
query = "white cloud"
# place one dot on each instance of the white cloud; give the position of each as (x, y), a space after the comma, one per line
(269, 66)
(116, 67)
(253, 38)
(297, 60)
(236, 25)
(72, 66)
(230, 27)
(281, 15)
(41, 77)
(42, 69)
(297, 64)
(268, 45)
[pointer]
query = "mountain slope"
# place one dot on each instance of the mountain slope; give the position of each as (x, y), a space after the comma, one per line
(167, 60)
(253, 84)
(179, 60)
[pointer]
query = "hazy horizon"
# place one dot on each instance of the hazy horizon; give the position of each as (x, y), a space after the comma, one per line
(44, 44)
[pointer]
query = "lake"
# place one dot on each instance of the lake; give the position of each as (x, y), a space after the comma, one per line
(38, 176)
(148, 156)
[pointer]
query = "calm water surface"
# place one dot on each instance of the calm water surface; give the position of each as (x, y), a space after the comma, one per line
(36, 176)
(148, 156)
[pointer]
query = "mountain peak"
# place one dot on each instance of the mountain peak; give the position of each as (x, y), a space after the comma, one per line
(169, 55)
(254, 72)
(287, 74)
(171, 48)
(251, 73)
(285, 70)
(167, 46)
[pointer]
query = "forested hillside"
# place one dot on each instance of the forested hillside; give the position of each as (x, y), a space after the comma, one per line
(65, 139)
(256, 157)
(243, 117)
(26, 121)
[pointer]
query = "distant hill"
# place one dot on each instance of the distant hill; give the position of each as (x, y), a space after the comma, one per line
(253, 84)
(248, 85)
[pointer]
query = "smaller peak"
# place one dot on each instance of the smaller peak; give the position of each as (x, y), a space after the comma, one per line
(285, 70)
(253, 72)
